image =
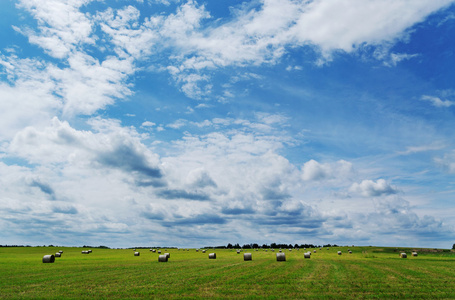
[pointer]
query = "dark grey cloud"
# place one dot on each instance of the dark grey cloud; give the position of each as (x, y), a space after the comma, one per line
(201, 219)
(237, 211)
(182, 194)
(65, 209)
(44, 187)
(129, 159)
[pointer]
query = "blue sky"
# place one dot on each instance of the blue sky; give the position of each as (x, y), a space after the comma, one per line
(190, 123)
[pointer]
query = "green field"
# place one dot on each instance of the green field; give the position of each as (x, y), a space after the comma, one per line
(369, 272)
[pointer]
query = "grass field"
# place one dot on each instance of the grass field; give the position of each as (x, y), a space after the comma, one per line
(367, 273)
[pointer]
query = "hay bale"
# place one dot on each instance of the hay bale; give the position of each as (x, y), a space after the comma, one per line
(350, 252)
(61, 251)
(203, 251)
(212, 256)
(247, 256)
(403, 255)
(314, 251)
(168, 255)
(137, 253)
(48, 258)
(58, 254)
(307, 255)
(85, 252)
(159, 251)
(280, 256)
(197, 250)
(162, 258)
(339, 252)
(238, 251)
(414, 253)
(89, 251)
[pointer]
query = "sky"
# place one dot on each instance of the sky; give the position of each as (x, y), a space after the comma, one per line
(194, 123)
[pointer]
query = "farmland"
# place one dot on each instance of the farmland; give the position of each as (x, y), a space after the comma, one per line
(367, 273)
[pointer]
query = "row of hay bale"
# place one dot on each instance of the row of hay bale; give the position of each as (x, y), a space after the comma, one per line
(404, 255)
(50, 258)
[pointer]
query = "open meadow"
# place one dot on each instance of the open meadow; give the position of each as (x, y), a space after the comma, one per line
(367, 273)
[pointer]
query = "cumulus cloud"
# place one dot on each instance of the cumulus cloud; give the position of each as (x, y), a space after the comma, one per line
(110, 146)
(313, 170)
(370, 188)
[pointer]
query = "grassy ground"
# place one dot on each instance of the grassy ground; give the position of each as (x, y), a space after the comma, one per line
(367, 273)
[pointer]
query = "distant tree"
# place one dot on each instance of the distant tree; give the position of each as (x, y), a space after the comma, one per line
(229, 246)
(453, 247)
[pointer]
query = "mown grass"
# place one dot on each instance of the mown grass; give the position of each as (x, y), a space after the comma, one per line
(367, 273)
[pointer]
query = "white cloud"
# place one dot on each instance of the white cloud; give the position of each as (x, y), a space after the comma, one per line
(148, 124)
(447, 162)
(438, 102)
(261, 35)
(29, 99)
(313, 170)
(370, 188)
(61, 26)
(423, 148)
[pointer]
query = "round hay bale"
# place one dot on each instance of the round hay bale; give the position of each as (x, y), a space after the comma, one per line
(280, 256)
(159, 251)
(280, 250)
(89, 251)
(162, 258)
(168, 255)
(61, 251)
(350, 252)
(307, 255)
(212, 256)
(403, 255)
(238, 251)
(48, 258)
(85, 252)
(339, 252)
(197, 250)
(414, 254)
(153, 250)
(137, 253)
(314, 251)
(58, 254)
(203, 251)
(247, 256)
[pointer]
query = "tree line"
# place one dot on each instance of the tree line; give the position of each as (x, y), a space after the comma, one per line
(271, 246)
